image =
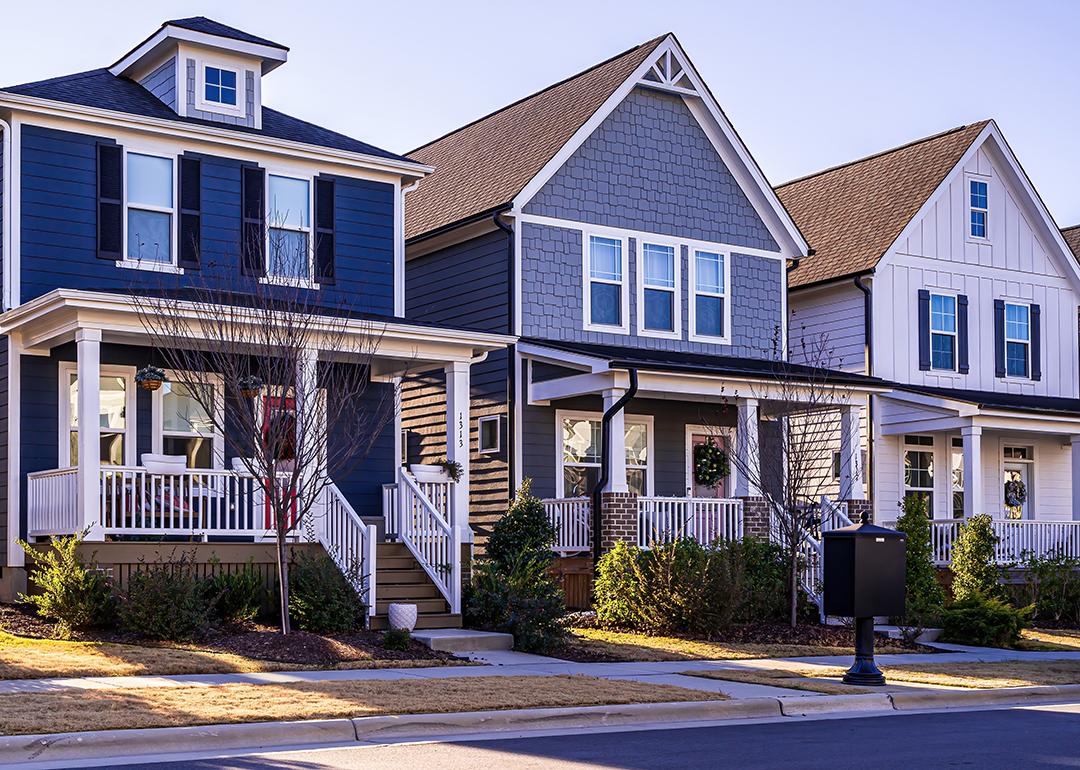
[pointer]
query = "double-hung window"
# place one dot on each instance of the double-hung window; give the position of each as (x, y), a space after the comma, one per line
(150, 195)
(919, 470)
(709, 295)
(660, 300)
(220, 86)
(186, 424)
(116, 412)
(580, 454)
(943, 332)
(979, 206)
(288, 253)
(605, 292)
(1017, 340)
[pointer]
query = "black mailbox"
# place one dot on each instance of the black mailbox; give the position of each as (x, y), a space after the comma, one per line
(864, 571)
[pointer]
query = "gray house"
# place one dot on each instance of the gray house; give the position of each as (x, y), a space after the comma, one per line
(617, 225)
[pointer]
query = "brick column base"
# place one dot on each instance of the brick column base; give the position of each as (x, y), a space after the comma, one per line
(755, 513)
(618, 519)
(856, 509)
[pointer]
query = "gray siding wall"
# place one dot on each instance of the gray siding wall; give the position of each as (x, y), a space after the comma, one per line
(249, 116)
(552, 288)
(162, 83)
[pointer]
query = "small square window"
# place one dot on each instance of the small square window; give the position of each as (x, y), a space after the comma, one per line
(220, 86)
(489, 434)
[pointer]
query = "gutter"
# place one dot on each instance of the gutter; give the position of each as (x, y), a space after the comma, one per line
(868, 343)
(605, 462)
(512, 360)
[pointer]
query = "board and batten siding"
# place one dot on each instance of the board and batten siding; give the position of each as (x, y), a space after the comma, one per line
(1012, 264)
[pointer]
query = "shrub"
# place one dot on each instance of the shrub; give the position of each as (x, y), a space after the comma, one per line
(984, 622)
(69, 592)
(974, 567)
(925, 597)
(524, 529)
(522, 599)
(236, 596)
(321, 600)
(396, 639)
(617, 591)
(1053, 587)
(165, 600)
(765, 581)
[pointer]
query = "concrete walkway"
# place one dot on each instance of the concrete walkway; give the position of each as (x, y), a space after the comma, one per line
(506, 663)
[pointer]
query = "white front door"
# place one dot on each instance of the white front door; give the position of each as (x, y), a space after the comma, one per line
(693, 488)
(1017, 472)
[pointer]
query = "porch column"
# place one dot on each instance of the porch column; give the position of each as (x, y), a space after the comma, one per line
(88, 415)
(747, 449)
(1074, 443)
(973, 471)
(851, 471)
(617, 431)
(309, 433)
(457, 442)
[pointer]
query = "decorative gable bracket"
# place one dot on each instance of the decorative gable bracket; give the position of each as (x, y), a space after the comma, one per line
(669, 73)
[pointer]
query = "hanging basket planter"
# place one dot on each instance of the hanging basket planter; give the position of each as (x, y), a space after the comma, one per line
(711, 465)
(150, 377)
(250, 386)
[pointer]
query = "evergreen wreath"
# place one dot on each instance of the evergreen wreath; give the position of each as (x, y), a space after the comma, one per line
(711, 465)
(1015, 493)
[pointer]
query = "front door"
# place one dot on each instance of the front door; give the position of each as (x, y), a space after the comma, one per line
(693, 488)
(1017, 472)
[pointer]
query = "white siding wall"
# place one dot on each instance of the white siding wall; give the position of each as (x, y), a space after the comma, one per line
(830, 318)
(1013, 264)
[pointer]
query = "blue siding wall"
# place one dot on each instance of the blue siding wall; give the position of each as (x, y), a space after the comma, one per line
(162, 83)
(59, 215)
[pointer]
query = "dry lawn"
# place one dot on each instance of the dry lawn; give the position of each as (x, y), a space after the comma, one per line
(80, 710)
(774, 677)
(1049, 639)
(640, 647)
(24, 658)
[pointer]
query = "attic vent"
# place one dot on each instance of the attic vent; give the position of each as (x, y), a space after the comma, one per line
(667, 72)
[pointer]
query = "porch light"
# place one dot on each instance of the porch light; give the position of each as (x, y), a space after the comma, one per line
(250, 386)
(150, 377)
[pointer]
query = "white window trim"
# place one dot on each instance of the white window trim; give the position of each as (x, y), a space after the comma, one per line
(201, 103)
(693, 294)
(954, 334)
(634, 419)
(148, 264)
(480, 421)
(1027, 375)
(932, 449)
(68, 368)
(587, 279)
(676, 291)
(303, 282)
(968, 179)
(157, 413)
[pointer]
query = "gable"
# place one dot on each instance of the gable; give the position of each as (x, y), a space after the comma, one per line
(649, 166)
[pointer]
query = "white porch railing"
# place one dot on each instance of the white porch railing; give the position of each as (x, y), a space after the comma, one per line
(665, 519)
(431, 537)
(349, 542)
(1016, 537)
(812, 549)
(52, 503)
(571, 517)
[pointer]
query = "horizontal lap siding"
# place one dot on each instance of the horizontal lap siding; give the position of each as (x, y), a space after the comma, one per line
(4, 495)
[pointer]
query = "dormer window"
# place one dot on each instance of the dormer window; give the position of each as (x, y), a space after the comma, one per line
(220, 86)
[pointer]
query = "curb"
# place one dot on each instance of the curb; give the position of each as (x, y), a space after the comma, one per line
(272, 735)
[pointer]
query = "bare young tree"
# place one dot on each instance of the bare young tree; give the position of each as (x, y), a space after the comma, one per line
(301, 407)
(789, 455)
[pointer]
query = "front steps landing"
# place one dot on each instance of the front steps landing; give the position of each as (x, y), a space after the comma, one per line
(461, 640)
(399, 579)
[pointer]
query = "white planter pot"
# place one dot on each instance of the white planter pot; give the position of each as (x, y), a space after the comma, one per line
(429, 472)
(402, 616)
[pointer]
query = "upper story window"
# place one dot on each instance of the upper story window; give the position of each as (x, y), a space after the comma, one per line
(289, 228)
(943, 332)
(980, 208)
(707, 304)
(150, 195)
(220, 86)
(660, 301)
(1017, 340)
(605, 295)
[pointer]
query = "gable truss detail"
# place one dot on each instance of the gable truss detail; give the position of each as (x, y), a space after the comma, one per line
(669, 73)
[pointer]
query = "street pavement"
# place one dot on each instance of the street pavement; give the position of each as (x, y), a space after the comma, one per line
(1031, 737)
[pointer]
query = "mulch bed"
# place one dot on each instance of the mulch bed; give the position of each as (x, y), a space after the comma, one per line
(255, 641)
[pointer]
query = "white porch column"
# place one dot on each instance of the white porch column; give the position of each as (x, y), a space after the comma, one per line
(1074, 443)
(747, 449)
(457, 442)
(88, 411)
(309, 433)
(973, 471)
(851, 470)
(617, 429)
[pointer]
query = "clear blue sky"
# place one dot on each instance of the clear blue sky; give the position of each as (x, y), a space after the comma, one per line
(807, 84)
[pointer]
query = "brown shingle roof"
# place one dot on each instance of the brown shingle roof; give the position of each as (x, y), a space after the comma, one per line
(486, 163)
(852, 213)
(1072, 237)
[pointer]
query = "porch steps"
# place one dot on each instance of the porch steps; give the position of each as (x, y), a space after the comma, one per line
(399, 579)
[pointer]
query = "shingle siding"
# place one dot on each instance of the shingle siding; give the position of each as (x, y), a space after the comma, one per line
(162, 83)
(247, 119)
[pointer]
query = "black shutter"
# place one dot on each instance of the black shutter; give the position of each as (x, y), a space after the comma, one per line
(324, 230)
(190, 212)
(924, 330)
(1036, 343)
(999, 337)
(253, 228)
(962, 333)
(110, 209)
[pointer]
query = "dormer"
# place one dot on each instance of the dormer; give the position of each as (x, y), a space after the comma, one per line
(203, 69)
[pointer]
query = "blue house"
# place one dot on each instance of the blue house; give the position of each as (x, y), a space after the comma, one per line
(617, 224)
(156, 176)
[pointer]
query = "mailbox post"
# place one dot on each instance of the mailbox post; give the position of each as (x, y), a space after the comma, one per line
(864, 576)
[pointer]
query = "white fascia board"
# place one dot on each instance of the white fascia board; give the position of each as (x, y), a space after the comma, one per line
(963, 408)
(537, 352)
(271, 57)
(541, 393)
(177, 129)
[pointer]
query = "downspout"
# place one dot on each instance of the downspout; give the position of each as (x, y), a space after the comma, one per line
(605, 461)
(511, 352)
(868, 342)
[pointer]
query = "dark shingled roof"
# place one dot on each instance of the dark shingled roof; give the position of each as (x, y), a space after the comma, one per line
(101, 89)
(1017, 401)
(211, 27)
(484, 164)
(852, 213)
